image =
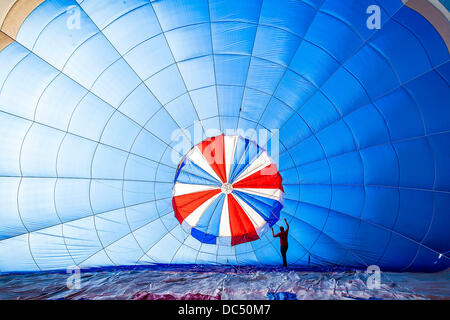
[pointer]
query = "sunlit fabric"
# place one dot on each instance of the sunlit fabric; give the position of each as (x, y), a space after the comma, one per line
(227, 190)
(357, 121)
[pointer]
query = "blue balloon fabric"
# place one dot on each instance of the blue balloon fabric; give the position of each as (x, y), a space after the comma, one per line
(100, 101)
(281, 296)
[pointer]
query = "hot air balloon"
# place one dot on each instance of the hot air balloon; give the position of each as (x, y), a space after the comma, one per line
(227, 187)
(356, 100)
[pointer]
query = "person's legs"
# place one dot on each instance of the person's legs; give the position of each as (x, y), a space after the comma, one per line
(283, 253)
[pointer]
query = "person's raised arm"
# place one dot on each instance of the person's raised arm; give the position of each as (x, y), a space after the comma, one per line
(287, 225)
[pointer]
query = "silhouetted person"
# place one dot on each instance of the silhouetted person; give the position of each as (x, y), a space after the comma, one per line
(283, 235)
